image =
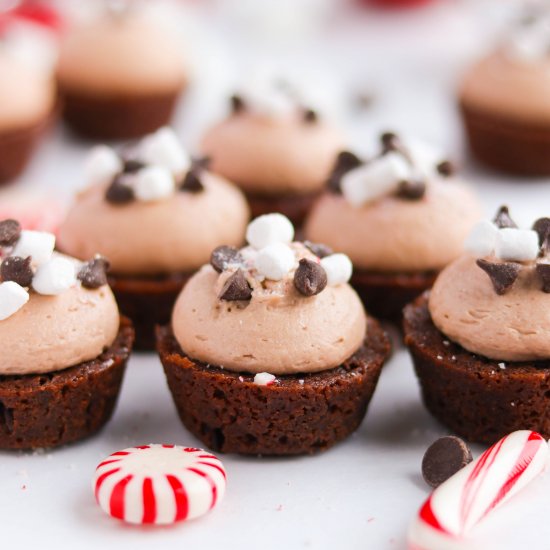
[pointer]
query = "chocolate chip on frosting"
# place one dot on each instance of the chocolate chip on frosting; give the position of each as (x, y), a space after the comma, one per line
(310, 278)
(17, 269)
(222, 256)
(443, 459)
(503, 275)
(93, 274)
(310, 115)
(446, 168)
(412, 190)
(131, 166)
(237, 103)
(543, 271)
(503, 219)
(10, 230)
(119, 193)
(236, 288)
(345, 162)
(320, 250)
(390, 142)
(191, 182)
(542, 227)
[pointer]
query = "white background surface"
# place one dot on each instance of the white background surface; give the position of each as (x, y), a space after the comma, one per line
(363, 493)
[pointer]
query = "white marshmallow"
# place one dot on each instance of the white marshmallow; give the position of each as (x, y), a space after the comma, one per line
(338, 268)
(164, 148)
(264, 379)
(38, 245)
(54, 277)
(518, 245)
(425, 157)
(374, 179)
(153, 183)
(482, 239)
(263, 97)
(275, 260)
(268, 229)
(102, 165)
(12, 298)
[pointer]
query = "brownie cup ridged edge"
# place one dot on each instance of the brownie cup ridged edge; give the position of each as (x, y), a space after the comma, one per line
(478, 398)
(298, 414)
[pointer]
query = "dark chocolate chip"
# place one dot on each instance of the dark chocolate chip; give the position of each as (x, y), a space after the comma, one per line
(17, 269)
(237, 103)
(542, 227)
(320, 250)
(503, 275)
(345, 161)
(503, 219)
(236, 288)
(444, 458)
(446, 168)
(93, 274)
(131, 166)
(412, 190)
(310, 115)
(543, 271)
(222, 256)
(10, 230)
(310, 278)
(119, 193)
(191, 182)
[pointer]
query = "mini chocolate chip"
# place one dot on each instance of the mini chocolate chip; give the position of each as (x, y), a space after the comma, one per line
(93, 274)
(542, 227)
(17, 269)
(390, 142)
(191, 182)
(345, 161)
(412, 190)
(222, 256)
(310, 115)
(119, 193)
(310, 278)
(131, 166)
(503, 219)
(236, 288)
(10, 230)
(444, 458)
(543, 271)
(320, 250)
(237, 103)
(446, 168)
(502, 275)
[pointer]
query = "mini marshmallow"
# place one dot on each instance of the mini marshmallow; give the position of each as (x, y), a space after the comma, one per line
(153, 183)
(12, 298)
(54, 277)
(269, 229)
(102, 165)
(264, 98)
(38, 245)
(425, 157)
(275, 260)
(164, 148)
(482, 239)
(519, 245)
(264, 379)
(374, 179)
(338, 268)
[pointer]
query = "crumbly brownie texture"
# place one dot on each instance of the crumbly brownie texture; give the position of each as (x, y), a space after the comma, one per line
(147, 301)
(474, 396)
(48, 410)
(386, 294)
(117, 117)
(229, 413)
(506, 144)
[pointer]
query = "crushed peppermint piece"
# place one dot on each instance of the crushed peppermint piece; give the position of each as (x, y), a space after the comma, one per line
(264, 379)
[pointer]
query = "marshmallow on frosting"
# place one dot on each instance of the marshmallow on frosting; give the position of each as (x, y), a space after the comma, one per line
(38, 245)
(269, 229)
(54, 277)
(12, 298)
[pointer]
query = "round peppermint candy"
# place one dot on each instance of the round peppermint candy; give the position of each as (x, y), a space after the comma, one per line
(159, 484)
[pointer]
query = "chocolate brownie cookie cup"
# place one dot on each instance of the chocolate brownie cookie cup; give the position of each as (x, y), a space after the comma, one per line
(64, 344)
(401, 217)
(480, 339)
(276, 146)
(156, 214)
(120, 74)
(504, 102)
(269, 350)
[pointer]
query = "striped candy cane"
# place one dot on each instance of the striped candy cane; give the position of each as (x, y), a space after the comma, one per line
(466, 498)
(159, 484)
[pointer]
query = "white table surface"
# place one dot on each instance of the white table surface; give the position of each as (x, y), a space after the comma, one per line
(363, 493)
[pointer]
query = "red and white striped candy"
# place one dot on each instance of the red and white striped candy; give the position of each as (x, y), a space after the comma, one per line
(159, 484)
(466, 498)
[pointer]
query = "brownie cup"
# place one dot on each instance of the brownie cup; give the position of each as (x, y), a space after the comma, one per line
(479, 338)
(504, 104)
(400, 217)
(266, 352)
(120, 74)
(276, 146)
(156, 214)
(62, 384)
